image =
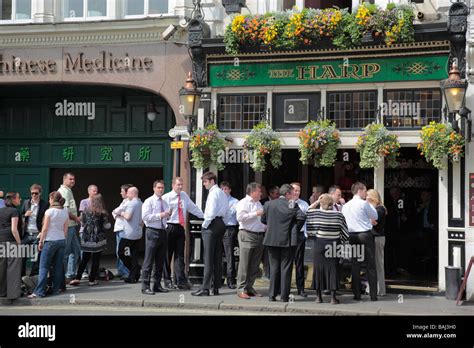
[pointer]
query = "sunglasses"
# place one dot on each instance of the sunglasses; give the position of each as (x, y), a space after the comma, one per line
(35, 193)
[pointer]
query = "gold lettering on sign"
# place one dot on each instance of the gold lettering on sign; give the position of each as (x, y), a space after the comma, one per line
(281, 74)
(106, 62)
(18, 65)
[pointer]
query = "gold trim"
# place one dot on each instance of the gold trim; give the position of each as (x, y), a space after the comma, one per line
(330, 50)
(405, 54)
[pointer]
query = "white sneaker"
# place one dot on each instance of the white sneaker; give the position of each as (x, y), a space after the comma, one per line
(85, 275)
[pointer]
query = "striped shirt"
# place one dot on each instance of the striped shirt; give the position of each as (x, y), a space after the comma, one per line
(326, 224)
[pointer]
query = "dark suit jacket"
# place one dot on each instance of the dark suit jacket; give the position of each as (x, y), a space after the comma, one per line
(43, 206)
(283, 223)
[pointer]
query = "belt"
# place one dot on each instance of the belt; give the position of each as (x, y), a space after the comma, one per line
(252, 231)
(32, 233)
(155, 229)
(360, 232)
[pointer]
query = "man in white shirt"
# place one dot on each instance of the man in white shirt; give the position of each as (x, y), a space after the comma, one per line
(360, 216)
(132, 221)
(230, 235)
(213, 229)
(251, 233)
(118, 229)
(180, 204)
(155, 212)
(299, 256)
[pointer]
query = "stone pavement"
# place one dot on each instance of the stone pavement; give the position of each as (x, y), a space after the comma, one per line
(118, 293)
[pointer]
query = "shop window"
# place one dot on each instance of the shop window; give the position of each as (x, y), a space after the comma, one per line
(240, 112)
(317, 4)
(411, 108)
(145, 7)
(15, 10)
(85, 9)
(352, 109)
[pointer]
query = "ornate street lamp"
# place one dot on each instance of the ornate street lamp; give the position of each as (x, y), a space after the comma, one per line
(454, 90)
(190, 98)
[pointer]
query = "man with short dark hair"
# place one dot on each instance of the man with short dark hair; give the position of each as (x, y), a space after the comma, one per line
(155, 212)
(230, 235)
(251, 233)
(284, 220)
(213, 229)
(336, 193)
(360, 216)
(318, 190)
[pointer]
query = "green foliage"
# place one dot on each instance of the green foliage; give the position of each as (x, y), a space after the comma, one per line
(319, 141)
(375, 143)
(206, 145)
(263, 141)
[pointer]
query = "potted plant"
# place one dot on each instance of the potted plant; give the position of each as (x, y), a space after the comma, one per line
(206, 145)
(438, 141)
(375, 143)
(264, 142)
(319, 141)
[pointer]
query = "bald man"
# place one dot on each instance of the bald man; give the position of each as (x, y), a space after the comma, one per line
(132, 222)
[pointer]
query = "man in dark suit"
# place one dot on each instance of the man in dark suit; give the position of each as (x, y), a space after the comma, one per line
(284, 220)
(32, 211)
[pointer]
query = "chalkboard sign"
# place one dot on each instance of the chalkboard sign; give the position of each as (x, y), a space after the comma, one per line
(296, 110)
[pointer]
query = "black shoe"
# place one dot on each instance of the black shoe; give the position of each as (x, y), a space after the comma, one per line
(231, 284)
(130, 280)
(272, 299)
(160, 289)
(215, 292)
(357, 298)
(147, 292)
(201, 292)
(184, 286)
(327, 292)
(285, 300)
(302, 293)
(373, 298)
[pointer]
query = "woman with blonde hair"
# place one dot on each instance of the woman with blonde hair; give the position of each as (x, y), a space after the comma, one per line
(373, 197)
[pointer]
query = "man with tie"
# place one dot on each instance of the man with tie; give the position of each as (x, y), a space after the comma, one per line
(213, 229)
(155, 212)
(336, 193)
(179, 203)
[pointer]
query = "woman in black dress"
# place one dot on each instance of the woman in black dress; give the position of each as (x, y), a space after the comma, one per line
(327, 228)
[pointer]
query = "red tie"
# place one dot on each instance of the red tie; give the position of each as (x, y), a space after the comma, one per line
(180, 211)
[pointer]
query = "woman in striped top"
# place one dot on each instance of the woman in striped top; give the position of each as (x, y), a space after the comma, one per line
(327, 228)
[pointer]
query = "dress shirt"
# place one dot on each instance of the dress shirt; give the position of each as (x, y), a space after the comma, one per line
(216, 205)
(32, 226)
(247, 215)
(304, 208)
(119, 222)
(151, 211)
(230, 218)
(171, 198)
(358, 214)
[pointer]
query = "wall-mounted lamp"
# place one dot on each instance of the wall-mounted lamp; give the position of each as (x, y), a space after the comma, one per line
(151, 112)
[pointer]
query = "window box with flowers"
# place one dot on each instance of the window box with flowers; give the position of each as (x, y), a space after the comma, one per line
(319, 141)
(376, 143)
(206, 145)
(265, 143)
(311, 28)
(438, 141)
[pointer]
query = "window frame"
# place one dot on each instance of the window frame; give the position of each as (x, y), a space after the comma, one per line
(13, 19)
(218, 122)
(412, 91)
(146, 10)
(352, 127)
(85, 8)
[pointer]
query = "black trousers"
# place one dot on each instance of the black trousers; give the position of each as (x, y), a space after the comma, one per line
(156, 244)
(299, 261)
(176, 240)
(94, 268)
(366, 240)
(281, 266)
(230, 242)
(212, 243)
(128, 254)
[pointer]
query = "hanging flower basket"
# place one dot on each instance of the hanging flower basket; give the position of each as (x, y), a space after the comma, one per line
(438, 141)
(375, 143)
(319, 141)
(264, 142)
(206, 146)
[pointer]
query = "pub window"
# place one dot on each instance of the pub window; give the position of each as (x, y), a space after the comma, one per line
(84, 9)
(145, 7)
(15, 10)
(352, 109)
(317, 4)
(240, 112)
(411, 108)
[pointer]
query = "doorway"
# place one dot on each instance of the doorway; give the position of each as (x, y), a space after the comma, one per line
(411, 199)
(108, 180)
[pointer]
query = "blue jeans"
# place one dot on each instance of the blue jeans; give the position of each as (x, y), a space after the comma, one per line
(121, 269)
(53, 252)
(72, 254)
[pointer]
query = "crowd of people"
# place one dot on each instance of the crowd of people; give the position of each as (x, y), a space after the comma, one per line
(275, 232)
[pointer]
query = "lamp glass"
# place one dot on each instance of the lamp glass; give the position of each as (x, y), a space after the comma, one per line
(151, 115)
(454, 98)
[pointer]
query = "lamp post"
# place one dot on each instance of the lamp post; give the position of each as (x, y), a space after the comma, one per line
(190, 98)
